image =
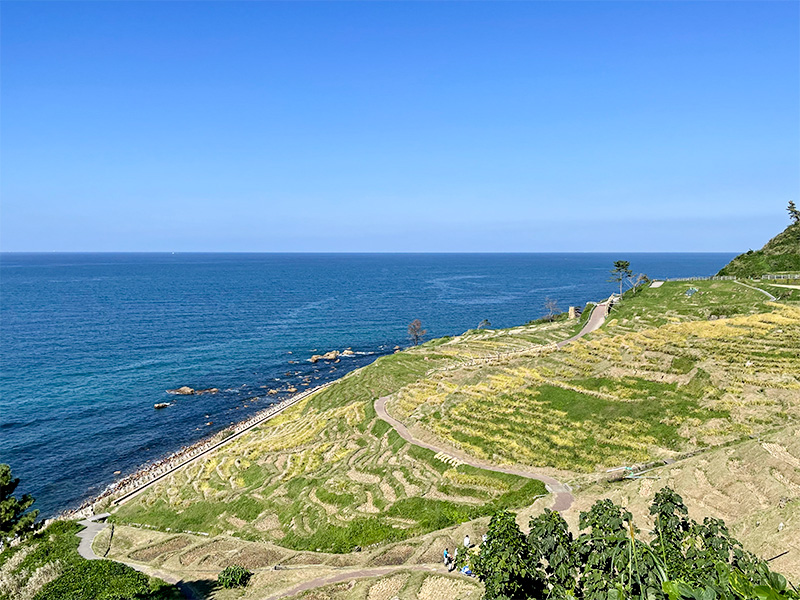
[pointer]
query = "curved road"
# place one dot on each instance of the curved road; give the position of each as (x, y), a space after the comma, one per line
(561, 491)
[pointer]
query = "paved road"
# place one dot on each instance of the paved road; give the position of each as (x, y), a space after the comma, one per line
(770, 296)
(561, 491)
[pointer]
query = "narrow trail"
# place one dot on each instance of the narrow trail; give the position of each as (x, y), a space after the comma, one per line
(561, 491)
(767, 294)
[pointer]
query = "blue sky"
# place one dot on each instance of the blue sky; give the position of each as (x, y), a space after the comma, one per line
(256, 126)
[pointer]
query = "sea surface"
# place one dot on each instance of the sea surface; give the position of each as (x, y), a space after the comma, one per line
(89, 342)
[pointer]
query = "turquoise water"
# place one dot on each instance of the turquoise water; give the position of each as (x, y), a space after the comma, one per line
(89, 342)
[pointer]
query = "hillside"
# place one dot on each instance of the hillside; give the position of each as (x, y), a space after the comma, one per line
(669, 373)
(780, 254)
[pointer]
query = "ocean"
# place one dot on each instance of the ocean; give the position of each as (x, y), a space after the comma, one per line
(89, 342)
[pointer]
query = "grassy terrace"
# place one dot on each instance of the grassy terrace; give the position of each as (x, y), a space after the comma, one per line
(665, 375)
(329, 475)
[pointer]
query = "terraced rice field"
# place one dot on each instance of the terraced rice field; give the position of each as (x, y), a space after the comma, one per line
(197, 560)
(328, 475)
(638, 389)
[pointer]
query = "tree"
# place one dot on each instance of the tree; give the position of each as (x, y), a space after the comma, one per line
(636, 280)
(794, 213)
(14, 520)
(684, 560)
(415, 331)
(505, 564)
(620, 272)
(551, 306)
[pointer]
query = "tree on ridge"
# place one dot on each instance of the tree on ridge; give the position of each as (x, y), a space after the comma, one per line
(415, 331)
(794, 213)
(620, 272)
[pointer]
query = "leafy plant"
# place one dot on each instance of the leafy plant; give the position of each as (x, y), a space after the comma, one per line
(234, 576)
(609, 561)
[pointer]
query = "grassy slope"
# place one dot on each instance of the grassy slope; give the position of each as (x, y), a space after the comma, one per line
(657, 380)
(780, 254)
(47, 566)
(665, 374)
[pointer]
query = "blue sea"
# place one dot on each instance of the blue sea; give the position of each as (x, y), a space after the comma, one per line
(89, 342)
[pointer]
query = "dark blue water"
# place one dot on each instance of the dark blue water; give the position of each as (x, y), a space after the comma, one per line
(89, 342)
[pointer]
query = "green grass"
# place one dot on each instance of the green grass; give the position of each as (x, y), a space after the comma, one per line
(654, 307)
(55, 549)
(780, 254)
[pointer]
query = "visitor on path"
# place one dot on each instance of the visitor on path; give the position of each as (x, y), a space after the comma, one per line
(466, 541)
(446, 556)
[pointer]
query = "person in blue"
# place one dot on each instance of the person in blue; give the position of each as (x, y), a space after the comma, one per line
(446, 556)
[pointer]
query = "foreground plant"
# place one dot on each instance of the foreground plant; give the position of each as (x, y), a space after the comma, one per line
(234, 576)
(610, 561)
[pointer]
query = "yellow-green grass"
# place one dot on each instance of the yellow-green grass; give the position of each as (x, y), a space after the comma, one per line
(630, 393)
(328, 475)
(652, 307)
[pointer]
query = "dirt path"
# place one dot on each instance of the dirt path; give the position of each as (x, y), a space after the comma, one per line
(347, 576)
(561, 491)
(770, 296)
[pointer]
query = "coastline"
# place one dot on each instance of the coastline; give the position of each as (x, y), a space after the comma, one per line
(136, 482)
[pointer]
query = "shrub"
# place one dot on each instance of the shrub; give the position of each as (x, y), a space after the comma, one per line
(234, 576)
(95, 580)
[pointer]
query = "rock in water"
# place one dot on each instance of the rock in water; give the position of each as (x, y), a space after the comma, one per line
(182, 391)
(161, 405)
(207, 391)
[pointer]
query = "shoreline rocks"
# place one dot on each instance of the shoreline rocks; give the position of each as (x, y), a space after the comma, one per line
(182, 391)
(187, 391)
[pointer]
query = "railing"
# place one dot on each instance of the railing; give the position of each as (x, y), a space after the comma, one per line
(712, 278)
(782, 276)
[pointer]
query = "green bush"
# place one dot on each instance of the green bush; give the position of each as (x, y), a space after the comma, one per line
(97, 580)
(234, 576)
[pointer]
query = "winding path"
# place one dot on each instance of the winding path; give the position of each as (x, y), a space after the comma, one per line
(561, 491)
(767, 294)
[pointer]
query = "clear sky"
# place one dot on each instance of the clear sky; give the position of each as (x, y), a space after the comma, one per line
(258, 126)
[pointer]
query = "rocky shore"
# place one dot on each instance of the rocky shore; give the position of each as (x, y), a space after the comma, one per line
(150, 472)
